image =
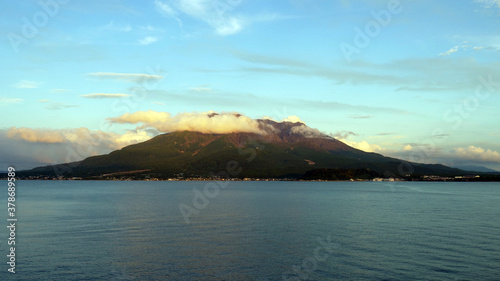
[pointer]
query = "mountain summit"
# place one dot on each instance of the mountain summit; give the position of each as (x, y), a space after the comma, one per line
(276, 150)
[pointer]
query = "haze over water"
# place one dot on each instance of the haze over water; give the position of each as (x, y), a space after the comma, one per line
(91, 230)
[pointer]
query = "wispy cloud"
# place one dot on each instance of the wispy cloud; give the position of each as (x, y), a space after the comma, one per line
(59, 91)
(148, 40)
(450, 51)
(204, 122)
(44, 100)
(361, 116)
(40, 146)
(477, 154)
(104, 96)
(9, 100)
(125, 77)
(489, 43)
(201, 89)
(25, 84)
(488, 3)
(457, 74)
(221, 17)
(58, 106)
(111, 26)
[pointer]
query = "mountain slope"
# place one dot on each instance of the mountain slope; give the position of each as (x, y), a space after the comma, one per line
(285, 150)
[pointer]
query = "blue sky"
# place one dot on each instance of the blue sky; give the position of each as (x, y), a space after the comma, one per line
(418, 80)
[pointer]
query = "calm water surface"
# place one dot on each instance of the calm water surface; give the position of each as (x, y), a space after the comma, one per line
(91, 230)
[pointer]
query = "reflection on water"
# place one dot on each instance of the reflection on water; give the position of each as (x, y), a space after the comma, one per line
(90, 230)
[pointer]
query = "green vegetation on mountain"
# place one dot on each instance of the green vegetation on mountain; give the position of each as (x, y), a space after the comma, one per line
(282, 153)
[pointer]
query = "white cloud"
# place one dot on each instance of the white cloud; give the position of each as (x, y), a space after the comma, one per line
(488, 3)
(268, 118)
(30, 135)
(147, 117)
(204, 122)
(165, 9)
(307, 132)
(49, 146)
(59, 105)
(98, 139)
(56, 91)
(25, 84)
(201, 89)
(45, 100)
(219, 15)
(477, 154)
(407, 148)
(364, 145)
(104, 96)
(148, 40)
(111, 26)
(450, 51)
(9, 100)
(293, 119)
(230, 26)
(126, 77)
(489, 43)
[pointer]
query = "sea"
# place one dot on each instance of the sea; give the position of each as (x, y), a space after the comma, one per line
(253, 230)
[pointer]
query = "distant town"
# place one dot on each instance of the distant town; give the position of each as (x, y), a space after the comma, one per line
(466, 178)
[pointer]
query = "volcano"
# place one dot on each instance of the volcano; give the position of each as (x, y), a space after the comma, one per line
(282, 150)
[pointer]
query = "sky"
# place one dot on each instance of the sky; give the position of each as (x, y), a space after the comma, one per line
(416, 80)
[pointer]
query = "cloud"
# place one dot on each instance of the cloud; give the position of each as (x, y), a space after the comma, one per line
(56, 91)
(158, 103)
(147, 117)
(9, 100)
(344, 134)
(58, 105)
(407, 148)
(165, 9)
(30, 135)
(48, 146)
(148, 40)
(125, 77)
(293, 119)
(201, 89)
(477, 154)
(364, 145)
(205, 122)
(220, 16)
(361, 116)
(457, 74)
(308, 132)
(44, 100)
(111, 26)
(490, 43)
(488, 3)
(450, 51)
(24, 84)
(104, 96)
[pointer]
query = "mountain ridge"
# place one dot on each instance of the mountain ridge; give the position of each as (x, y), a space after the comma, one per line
(282, 150)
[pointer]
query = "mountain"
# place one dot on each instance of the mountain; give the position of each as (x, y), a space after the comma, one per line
(283, 149)
(476, 168)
